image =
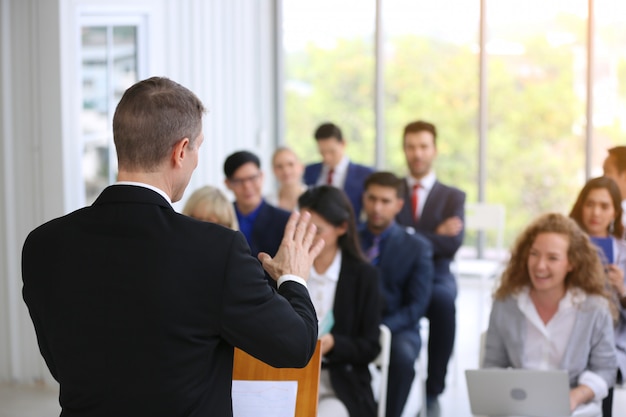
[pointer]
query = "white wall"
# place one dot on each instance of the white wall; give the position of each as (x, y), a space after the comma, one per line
(221, 49)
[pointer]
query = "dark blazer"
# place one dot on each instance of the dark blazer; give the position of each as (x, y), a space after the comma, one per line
(355, 177)
(443, 202)
(406, 276)
(137, 308)
(356, 310)
(268, 229)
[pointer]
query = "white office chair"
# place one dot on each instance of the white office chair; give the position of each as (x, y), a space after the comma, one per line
(481, 349)
(379, 369)
(422, 365)
(490, 219)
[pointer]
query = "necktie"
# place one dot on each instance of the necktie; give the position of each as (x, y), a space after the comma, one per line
(373, 251)
(329, 178)
(415, 201)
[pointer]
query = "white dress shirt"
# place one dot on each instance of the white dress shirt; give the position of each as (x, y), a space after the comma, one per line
(322, 286)
(426, 184)
(545, 344)
(339, 174)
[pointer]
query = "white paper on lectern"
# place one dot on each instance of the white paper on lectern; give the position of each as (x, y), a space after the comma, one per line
(264, 398)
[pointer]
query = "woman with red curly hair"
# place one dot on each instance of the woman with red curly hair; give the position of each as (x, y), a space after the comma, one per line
(551, 311)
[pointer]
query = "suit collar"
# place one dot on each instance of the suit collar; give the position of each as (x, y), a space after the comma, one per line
(427, 182)
(151, 187)
(124, 193)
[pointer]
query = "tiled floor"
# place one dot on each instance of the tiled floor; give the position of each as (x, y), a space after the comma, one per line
(28, 401)
(473, 306)
(472, 310)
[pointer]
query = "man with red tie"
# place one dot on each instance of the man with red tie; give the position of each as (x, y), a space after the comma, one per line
(336, 169)
(437, 212)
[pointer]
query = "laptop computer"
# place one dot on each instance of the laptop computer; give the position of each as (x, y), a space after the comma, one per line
(518, 392)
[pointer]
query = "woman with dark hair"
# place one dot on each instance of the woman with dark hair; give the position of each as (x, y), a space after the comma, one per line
(551, 311)
(598, 211)
(345, 291)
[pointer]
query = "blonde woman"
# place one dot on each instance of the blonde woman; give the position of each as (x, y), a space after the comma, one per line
(288, 171)
(209, 204)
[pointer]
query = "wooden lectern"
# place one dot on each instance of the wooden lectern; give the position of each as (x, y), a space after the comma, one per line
(248, 368)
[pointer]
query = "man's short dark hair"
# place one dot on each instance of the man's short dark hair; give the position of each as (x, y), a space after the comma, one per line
(328, 130)
(237, 159)
(152, 116)
(420, 126)
(386, 179)
(618, 154)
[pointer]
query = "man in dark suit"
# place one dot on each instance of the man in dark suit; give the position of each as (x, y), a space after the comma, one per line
(405, 261)
(437, 212)
(261, 223)
(136, 307)
(335, 168)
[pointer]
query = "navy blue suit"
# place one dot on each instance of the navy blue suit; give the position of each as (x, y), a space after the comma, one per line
(406, 269)
(268, 229)
(442, 203)
(353, 187)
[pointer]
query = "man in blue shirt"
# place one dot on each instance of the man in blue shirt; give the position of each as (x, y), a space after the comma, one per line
(404, 259)
(261, 223)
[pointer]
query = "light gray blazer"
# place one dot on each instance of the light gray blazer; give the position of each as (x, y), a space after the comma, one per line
(591, 345)
(620, 328)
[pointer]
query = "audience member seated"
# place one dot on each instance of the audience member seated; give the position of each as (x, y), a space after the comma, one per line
(260, 222)
(615, 168)
(209, 204)
(437, 211)
(336, 169)
(598, 212)
(345, 291)
(405, 261)
(552, 311)
(288, 171)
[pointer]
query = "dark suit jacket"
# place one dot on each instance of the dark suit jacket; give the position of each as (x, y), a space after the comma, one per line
(406, 276)
(137, 308)
(442, 202)
(356, 310)
(355, 177)
(268, 229)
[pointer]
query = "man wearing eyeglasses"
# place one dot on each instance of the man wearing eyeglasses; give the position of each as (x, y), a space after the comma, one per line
(261, 223)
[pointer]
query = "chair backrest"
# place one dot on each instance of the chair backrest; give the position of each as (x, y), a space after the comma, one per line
(486, 218)
(382, 364)
(248, 368)
(481, 349)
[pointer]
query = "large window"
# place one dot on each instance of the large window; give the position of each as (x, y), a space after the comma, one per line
(110, 60)
(535, 83)
(431, 74)
(329, 73)
(536, 106)
(609, 79)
